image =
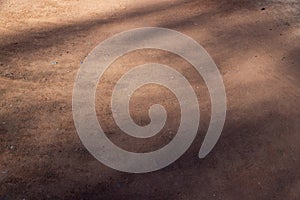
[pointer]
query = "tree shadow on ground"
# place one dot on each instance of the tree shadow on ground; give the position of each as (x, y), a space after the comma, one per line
(255, 152)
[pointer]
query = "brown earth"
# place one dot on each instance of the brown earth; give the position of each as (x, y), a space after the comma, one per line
(255, 44)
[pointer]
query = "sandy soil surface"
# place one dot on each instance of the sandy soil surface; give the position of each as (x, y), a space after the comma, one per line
(256, 45)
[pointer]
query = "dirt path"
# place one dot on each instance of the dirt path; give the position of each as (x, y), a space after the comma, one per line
(256, 45)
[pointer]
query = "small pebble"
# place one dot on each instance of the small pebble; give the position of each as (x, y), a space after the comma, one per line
(53, 62)
(263, 8)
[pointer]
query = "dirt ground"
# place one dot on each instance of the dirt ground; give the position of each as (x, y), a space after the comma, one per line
(255, 44)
